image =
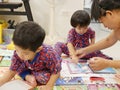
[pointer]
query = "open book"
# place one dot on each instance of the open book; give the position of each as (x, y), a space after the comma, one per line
(106, 71)
(16, 85)
(85, 68)
(79, 68)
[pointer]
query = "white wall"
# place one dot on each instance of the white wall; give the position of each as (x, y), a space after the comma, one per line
(60, 24)
(87, 3)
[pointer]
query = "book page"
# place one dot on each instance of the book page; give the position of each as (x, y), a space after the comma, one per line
(16, 85)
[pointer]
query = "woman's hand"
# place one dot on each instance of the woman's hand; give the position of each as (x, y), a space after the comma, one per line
(98, 63)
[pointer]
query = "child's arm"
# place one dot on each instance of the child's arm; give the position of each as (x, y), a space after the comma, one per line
(53, 79)
(71, 49)
(72, 53)
(7, 77)
(51, 82)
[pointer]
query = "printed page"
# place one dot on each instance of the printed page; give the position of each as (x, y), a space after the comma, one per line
(16, 85)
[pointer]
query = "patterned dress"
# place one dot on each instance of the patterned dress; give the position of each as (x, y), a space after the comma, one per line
(45, 63)
(79, 41)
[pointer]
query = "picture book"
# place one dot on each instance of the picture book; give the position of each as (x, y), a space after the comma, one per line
(6, 61)
(88, 87)
(6, 52)
(80, 60)
(106, 71)
(79, 68)
(69, 81)
(100, 79)
(85, 68)
(71, 87)
(16, 85)
(103, 87)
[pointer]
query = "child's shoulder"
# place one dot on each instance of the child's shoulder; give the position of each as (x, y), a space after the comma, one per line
(90, 30)
(72, 30)
(47, 48)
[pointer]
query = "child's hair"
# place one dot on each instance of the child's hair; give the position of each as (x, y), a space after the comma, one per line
(99, 7)
(80, 17)
(28, 35)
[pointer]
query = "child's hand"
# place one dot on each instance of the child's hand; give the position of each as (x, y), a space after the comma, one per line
(46, 87)
(98, 63)
(80, 53)
(31, 80)
(75, 59)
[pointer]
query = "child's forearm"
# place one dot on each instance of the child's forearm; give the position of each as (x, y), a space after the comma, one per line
(71, 49)
(7, 77)
(53, 79)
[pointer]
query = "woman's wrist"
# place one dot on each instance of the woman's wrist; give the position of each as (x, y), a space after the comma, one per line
(108, 63)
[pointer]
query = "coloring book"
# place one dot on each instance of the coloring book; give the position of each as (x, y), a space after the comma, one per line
(85, 68)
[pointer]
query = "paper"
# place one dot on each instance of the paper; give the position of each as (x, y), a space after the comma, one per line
(16, 85)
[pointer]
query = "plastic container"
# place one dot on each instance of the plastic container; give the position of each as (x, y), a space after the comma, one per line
(7, 35)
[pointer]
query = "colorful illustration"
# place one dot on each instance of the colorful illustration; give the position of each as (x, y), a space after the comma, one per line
(71, 87)
(69, 81)
(103, 87)
(84, 68)
(79, 68)
(97, 80)
(106, 71)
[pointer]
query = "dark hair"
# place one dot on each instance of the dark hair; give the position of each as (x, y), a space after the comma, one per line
(99, 7)
(28, 35)
(80, 17)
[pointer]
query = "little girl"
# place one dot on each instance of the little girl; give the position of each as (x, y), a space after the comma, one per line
(79, 36)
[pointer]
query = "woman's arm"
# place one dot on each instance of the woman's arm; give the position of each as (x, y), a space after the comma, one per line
(98, 63)
(105, 43)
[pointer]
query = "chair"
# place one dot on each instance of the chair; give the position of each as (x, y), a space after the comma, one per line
(12, 6)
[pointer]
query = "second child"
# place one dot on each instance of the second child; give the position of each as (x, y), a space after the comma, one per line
(79, 36)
